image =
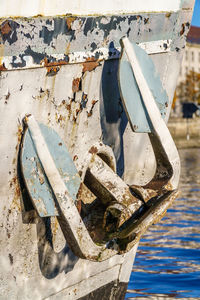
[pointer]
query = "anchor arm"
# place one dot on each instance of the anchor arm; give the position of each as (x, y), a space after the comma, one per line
(162, 142)
(71, 222)
(130, 216)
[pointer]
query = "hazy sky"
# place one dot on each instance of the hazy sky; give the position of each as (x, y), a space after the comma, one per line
(196, 14)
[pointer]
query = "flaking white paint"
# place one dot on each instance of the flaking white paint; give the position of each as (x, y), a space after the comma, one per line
(152, 47)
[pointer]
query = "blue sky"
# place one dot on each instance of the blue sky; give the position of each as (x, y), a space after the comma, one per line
(196, 14)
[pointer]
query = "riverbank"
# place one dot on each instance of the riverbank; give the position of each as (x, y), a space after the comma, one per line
(185, 132)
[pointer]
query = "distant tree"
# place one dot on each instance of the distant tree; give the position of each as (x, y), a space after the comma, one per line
(189, 90)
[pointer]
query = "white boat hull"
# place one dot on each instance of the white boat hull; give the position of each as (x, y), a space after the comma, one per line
(49, 66)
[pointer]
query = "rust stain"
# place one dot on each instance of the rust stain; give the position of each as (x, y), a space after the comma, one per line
(10, 258)
(14, 184)
(89, 114)
(2, 67)
(78, 206)
(69, 107)
(5, 28)
(84, 96)
(54, 228)
(149, 194)
(59, 119)
(85, 195)
(13, 181)
(19, 133)
(67, 48)
(168, 186)
(51, 71)
(76, 85)
(69, 22)
(168, 14)
(78, 111)
(41, 179)
(93, 150)
(182, 29)
(155, 184)
(8, 96)
(145, 194)
(46, 62)
(90, 64)
(94, 102)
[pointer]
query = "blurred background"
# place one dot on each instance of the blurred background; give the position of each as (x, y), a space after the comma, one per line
(184, 122)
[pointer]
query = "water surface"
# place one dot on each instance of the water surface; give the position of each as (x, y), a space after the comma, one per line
(167, 264)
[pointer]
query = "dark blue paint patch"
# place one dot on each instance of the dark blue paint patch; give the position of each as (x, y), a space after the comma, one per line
(93, 46)
(28, 36)
(132, 18)
(60, 27)
(18, 64)
(37, 57)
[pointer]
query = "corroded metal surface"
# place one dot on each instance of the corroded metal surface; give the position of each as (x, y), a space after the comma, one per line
(62, 40)
(64, 181)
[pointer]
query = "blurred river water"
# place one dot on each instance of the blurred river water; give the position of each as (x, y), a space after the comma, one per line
(167, 264)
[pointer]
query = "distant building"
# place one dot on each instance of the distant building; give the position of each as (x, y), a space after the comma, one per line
(191, 58)
(191, 62)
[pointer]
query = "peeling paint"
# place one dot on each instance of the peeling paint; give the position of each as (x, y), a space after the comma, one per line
(5, 28)
(90, 65)
(70, 21)
(76, 85)
(62, 40)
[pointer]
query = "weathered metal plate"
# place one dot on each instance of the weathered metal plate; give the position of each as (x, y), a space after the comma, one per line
(130, 93)
(34, 176)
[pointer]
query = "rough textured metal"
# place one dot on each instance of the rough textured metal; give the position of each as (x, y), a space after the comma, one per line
(62, 40)
(112, 184)
(45, 164)
(71, 223)
(136, 112)
(35, 178)
(166, 154)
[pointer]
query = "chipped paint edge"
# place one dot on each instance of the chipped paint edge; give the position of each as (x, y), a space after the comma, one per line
(153, 47)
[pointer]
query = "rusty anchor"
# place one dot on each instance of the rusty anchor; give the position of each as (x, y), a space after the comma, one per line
(120, 214)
